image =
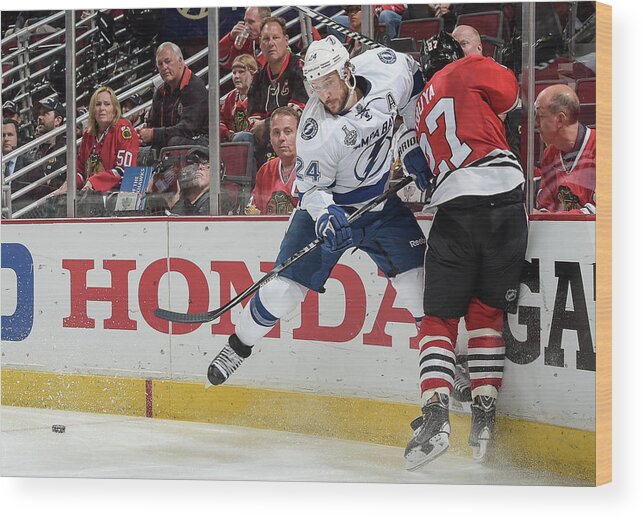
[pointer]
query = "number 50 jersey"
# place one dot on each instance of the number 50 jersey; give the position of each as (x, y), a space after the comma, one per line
(461, 133)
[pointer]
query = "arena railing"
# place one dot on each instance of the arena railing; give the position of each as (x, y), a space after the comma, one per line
(82, 118)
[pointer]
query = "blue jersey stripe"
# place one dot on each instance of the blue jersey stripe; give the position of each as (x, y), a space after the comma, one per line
(361, 194)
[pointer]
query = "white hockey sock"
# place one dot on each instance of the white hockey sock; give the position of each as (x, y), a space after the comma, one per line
(410, 292)
(273, 301)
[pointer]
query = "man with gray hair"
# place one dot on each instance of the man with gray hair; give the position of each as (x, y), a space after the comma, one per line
(179, 113)
(568, 166)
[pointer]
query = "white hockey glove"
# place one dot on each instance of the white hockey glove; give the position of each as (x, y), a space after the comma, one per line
(333, 227)
(413, 160)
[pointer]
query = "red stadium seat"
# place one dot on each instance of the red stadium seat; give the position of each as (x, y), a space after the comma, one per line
(539, 86)
(234, 156)
(586, 90)
(489, 24)
(588, 114)
(236, 177)
(421, 29)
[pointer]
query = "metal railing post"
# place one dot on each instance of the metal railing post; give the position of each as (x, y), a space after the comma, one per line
(213, 108)
(70, 101)
(529, 74)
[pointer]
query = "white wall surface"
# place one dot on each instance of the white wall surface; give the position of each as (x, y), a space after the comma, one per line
(547, 388)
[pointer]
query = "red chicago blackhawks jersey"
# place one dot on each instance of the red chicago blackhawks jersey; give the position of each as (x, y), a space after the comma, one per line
(234, 113)
(103, 158)
(568, 182)
(460, 131)
(274, 194)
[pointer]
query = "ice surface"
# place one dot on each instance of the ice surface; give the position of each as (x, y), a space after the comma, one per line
(111, 446)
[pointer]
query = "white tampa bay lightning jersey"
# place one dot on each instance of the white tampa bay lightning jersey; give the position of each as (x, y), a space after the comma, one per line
(345, 159)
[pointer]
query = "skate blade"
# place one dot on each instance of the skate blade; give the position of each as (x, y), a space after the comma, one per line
(416, 458)
(480, 451)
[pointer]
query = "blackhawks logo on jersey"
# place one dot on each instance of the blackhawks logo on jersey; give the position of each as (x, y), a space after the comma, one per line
(126, 133)
(279, 204)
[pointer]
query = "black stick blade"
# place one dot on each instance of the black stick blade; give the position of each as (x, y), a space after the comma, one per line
(185, 318)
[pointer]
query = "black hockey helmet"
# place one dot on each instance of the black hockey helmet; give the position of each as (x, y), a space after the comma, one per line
(437, 52)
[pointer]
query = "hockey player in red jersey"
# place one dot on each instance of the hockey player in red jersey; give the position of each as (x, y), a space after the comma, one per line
(478, 237)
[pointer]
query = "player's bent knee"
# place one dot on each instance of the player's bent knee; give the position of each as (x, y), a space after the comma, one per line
(281, 296)
(409, 286)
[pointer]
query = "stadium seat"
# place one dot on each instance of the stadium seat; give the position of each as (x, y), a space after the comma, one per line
(420, 29)
(236, 176)
(488, 24)
(586, 90)
(539, 86)
(588, 114)
(403, 44)
(417, 11)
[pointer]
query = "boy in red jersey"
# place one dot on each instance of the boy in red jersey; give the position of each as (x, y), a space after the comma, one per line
(477, 242)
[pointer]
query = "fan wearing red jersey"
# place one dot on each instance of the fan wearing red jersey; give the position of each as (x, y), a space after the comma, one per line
(109, 145)
(274, 191)
(478, 237)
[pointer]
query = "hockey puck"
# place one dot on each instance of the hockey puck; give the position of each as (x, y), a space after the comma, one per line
(58, 428)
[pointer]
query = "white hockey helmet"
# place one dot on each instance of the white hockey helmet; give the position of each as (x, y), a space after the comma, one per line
(324, 57)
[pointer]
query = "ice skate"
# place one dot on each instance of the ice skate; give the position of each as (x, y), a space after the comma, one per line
(483, 418)
(227, 361)
(462, 382)
(431, 433)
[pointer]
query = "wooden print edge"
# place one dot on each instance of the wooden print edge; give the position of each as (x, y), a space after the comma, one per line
(604, 244)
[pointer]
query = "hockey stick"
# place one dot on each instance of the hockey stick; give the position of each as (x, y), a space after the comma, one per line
(193, 318)
(329, 22)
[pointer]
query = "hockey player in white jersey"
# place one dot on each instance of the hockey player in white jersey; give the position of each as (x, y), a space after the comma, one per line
(343, 161)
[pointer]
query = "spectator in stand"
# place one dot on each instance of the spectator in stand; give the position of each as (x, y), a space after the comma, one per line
(10, 111)
(9, 143)
(128, 104)
(51, 114)
(391, 16)
(274, 191)
(243, 38)
(234, 123)
(179, 113)
(354, 13)
(446, 12)
(469, 40)
(279, 83)
(108, 146)
(568, 178)
(234, 110)
(194, 181)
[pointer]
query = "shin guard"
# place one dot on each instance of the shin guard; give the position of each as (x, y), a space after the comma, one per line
(486, 350)
(437, 355)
